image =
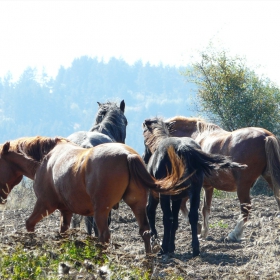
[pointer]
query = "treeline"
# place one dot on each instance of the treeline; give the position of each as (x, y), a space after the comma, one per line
(39, 105)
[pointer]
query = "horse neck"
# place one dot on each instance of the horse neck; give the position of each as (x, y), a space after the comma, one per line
(36, 147)
(112, 128)
(193, 128)
(24, 165)
(104, 130)
(204, 128)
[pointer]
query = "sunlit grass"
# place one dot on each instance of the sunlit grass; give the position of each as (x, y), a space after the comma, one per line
(42, 262)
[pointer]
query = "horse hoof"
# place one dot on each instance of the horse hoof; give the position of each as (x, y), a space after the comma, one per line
(161, 253)
(201, 236)
(232, 238)
(196, 253)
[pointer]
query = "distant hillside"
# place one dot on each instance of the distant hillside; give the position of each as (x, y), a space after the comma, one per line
(38, 105)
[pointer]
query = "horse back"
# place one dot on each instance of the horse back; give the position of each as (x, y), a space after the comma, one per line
(89, 139)
(241, 144)
(246, 146)
(83, 180)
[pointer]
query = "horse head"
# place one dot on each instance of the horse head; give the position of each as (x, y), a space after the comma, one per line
(110, 120)
(154, 130)
(9, 176)
(22, 157)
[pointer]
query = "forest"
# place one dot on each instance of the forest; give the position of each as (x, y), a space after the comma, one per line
(37, 104)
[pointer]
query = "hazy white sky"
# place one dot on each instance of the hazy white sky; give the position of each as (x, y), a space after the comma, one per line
(48, 34)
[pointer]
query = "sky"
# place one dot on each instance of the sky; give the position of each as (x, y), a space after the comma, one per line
(47, 34)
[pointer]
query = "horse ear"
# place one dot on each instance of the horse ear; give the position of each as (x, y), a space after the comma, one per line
(122, 106)
(5, 148)
(99, 104)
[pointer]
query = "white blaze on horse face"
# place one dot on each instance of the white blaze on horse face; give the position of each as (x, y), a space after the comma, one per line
(237, 233)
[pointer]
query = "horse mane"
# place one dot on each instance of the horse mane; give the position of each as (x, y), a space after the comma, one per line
(203, 126)
(110, 120)
(159, 131)
(192, 124)
(35, 147)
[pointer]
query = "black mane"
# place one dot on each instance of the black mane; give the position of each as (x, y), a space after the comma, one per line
(154, 131)
(110, 120)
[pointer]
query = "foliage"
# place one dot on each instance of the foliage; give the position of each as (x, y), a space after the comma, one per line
(22, 265)
(33, 264)
(219, 224)
(232, 94)
(41, 262)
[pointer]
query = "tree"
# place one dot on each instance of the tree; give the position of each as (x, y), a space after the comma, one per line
(233, 95)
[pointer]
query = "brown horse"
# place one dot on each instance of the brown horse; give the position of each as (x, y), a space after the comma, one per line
(85, 181)
(256, 147)
(36, 148)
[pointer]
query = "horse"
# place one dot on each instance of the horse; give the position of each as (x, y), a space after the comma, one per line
(110, 126)
(160, 148)
(256, 147)
(84, 181)
(36, 147)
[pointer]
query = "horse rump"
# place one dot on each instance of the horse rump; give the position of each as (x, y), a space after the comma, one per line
(199, 160)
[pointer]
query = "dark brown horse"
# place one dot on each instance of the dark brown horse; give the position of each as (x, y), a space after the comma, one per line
(256, 147)
(160, 148)
(83, 181)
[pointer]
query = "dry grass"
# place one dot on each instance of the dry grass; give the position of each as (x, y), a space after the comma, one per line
(256, 257)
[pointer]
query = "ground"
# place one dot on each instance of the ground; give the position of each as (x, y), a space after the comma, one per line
(255, 257)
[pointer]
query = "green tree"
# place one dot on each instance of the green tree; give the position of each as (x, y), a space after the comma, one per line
(232, 94)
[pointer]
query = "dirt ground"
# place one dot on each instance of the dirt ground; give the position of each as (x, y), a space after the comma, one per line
(255, 257)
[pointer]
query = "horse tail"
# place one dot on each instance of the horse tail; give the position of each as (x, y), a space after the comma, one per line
(170, 185)
(272, 149)
(199, 160)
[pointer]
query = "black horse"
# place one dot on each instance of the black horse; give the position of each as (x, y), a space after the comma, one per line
(160, 148)
(110, 126)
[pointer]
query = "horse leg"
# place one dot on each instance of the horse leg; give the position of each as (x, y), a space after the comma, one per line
(193, 216)
(101, 220)
(206, 209)
(245, 206)
(39, 212)
(151, 213)
(89, 223)
(139, 209)
(167, 222)
(184, 209)
(175, 212)
(76, 220)
(65, 220)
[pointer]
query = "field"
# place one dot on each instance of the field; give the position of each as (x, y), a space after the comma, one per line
(58, 256)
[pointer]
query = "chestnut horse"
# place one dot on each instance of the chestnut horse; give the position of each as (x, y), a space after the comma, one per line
(160, 148)
(110, 126)
(256, 147)
(36, 148)
(84, 181)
